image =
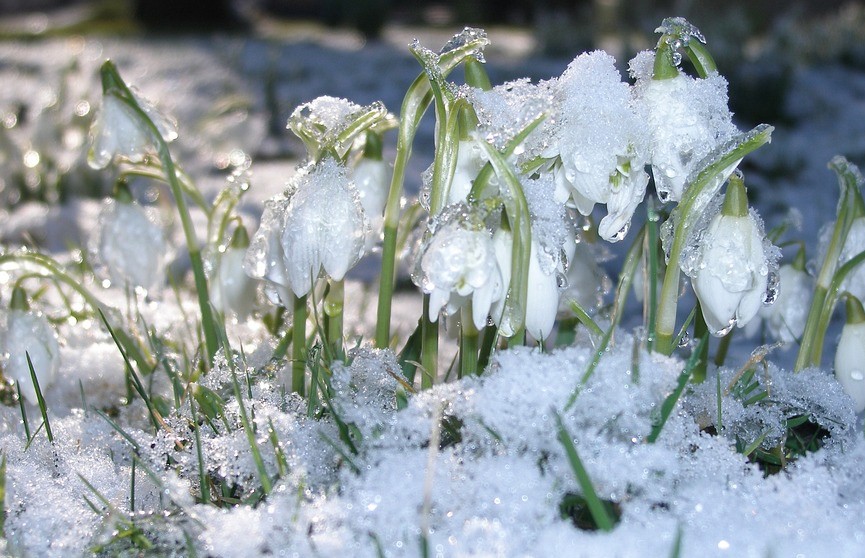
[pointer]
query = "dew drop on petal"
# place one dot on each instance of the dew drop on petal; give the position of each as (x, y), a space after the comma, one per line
(857, 375)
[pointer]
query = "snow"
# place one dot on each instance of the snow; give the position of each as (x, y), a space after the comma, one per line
(473, 466)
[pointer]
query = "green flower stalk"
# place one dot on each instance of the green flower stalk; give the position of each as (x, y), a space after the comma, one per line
(129, 128)
(830, 276)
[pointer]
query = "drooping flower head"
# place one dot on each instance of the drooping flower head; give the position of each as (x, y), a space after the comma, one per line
(686, 118)
(601, 142)
(129, 243)
(733, 266)
(27, 332)
(850, 356)
(457, 265)
(232, 291)
(317, 225)
(119, 130)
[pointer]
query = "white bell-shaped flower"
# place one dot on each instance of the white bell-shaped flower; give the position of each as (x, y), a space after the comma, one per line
(850, 356)
(785, 318)
(26, 332)
(544, 287)
(686, 117)
(458, 265)
(371, 177)
(601, 142)
(732, 274)
(118, 131)
(231, 289)
(129, 244)
(470, 160)
(317, 225)
(265, 258)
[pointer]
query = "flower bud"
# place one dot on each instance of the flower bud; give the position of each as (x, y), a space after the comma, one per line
(231, 289)
(850, 356)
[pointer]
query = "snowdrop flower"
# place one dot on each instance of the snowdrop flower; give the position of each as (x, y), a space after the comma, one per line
(371, 177)
(470, 161)
(30, 333)
(458, 265)
(118, 131)
(687, 118)
(785, 318)
(231, 289)
(850, 356)
(732, 272)
(318, 225)
(542, 299)
(601, 142)
(129, 243)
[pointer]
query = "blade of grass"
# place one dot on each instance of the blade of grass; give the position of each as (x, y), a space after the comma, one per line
(41, 400)
(23, 413)
(670, 402)
(263, 477)
(593, 502)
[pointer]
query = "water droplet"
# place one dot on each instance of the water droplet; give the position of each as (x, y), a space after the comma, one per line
(773, 288)
(724, 331)
(685, 340)
(857, 375)
(561, 281)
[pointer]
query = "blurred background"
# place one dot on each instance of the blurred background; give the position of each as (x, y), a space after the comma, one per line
(232, 71)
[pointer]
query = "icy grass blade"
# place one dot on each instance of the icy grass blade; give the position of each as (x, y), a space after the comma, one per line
(698, 193)
(850, 183)
(676, 551)
(417, 99)
(114, 85)
(125, 435)
(41, 400)
(155, 417)
(298, 346)
(128, 528)
(263, 477)
(23, 413)
(670, 402)
(584, 318)
(281, 461)
(596, 507)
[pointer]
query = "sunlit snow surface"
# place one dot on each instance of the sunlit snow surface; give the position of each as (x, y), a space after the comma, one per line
(492, 491)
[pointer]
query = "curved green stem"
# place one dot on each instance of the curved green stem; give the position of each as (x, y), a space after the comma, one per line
(298, 346)
(717, 166)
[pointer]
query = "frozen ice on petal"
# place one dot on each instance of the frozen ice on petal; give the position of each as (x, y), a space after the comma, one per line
(732, 275)
(265, 258)
(129, 245)
(680, 28)
(785, 318)
(333, 123)
(506, 110)
(232, 290)
(551, 227)
(687, 118)
(26, 332)
(118, 131)
(324, 226)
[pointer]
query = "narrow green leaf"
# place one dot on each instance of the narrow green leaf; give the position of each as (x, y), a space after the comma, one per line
(670, 402)
(41, 400)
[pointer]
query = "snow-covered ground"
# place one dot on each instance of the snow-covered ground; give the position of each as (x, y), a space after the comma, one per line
(472, 467)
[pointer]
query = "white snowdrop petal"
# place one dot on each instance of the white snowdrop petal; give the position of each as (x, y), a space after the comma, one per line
(29, 333)
(542, 300)
(232, 290)
(850, 363)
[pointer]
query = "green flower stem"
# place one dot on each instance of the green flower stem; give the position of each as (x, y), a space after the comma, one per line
(429, 348)
(298, 346)
(650, 251)
(829, 303)
(849, 182)
(334, 303)
(417, 99)
(468, 343)
(694, 201)
(517, 209)
(114, 84)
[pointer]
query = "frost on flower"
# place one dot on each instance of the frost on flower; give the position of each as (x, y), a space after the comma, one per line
(687, 118)
(118, 131)
(785, 319)
(129, 245)
(317, 225)
(601, 142)
(732, 275)
(457, 264)
(333, 123)
(28, 333)
(507, 109)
